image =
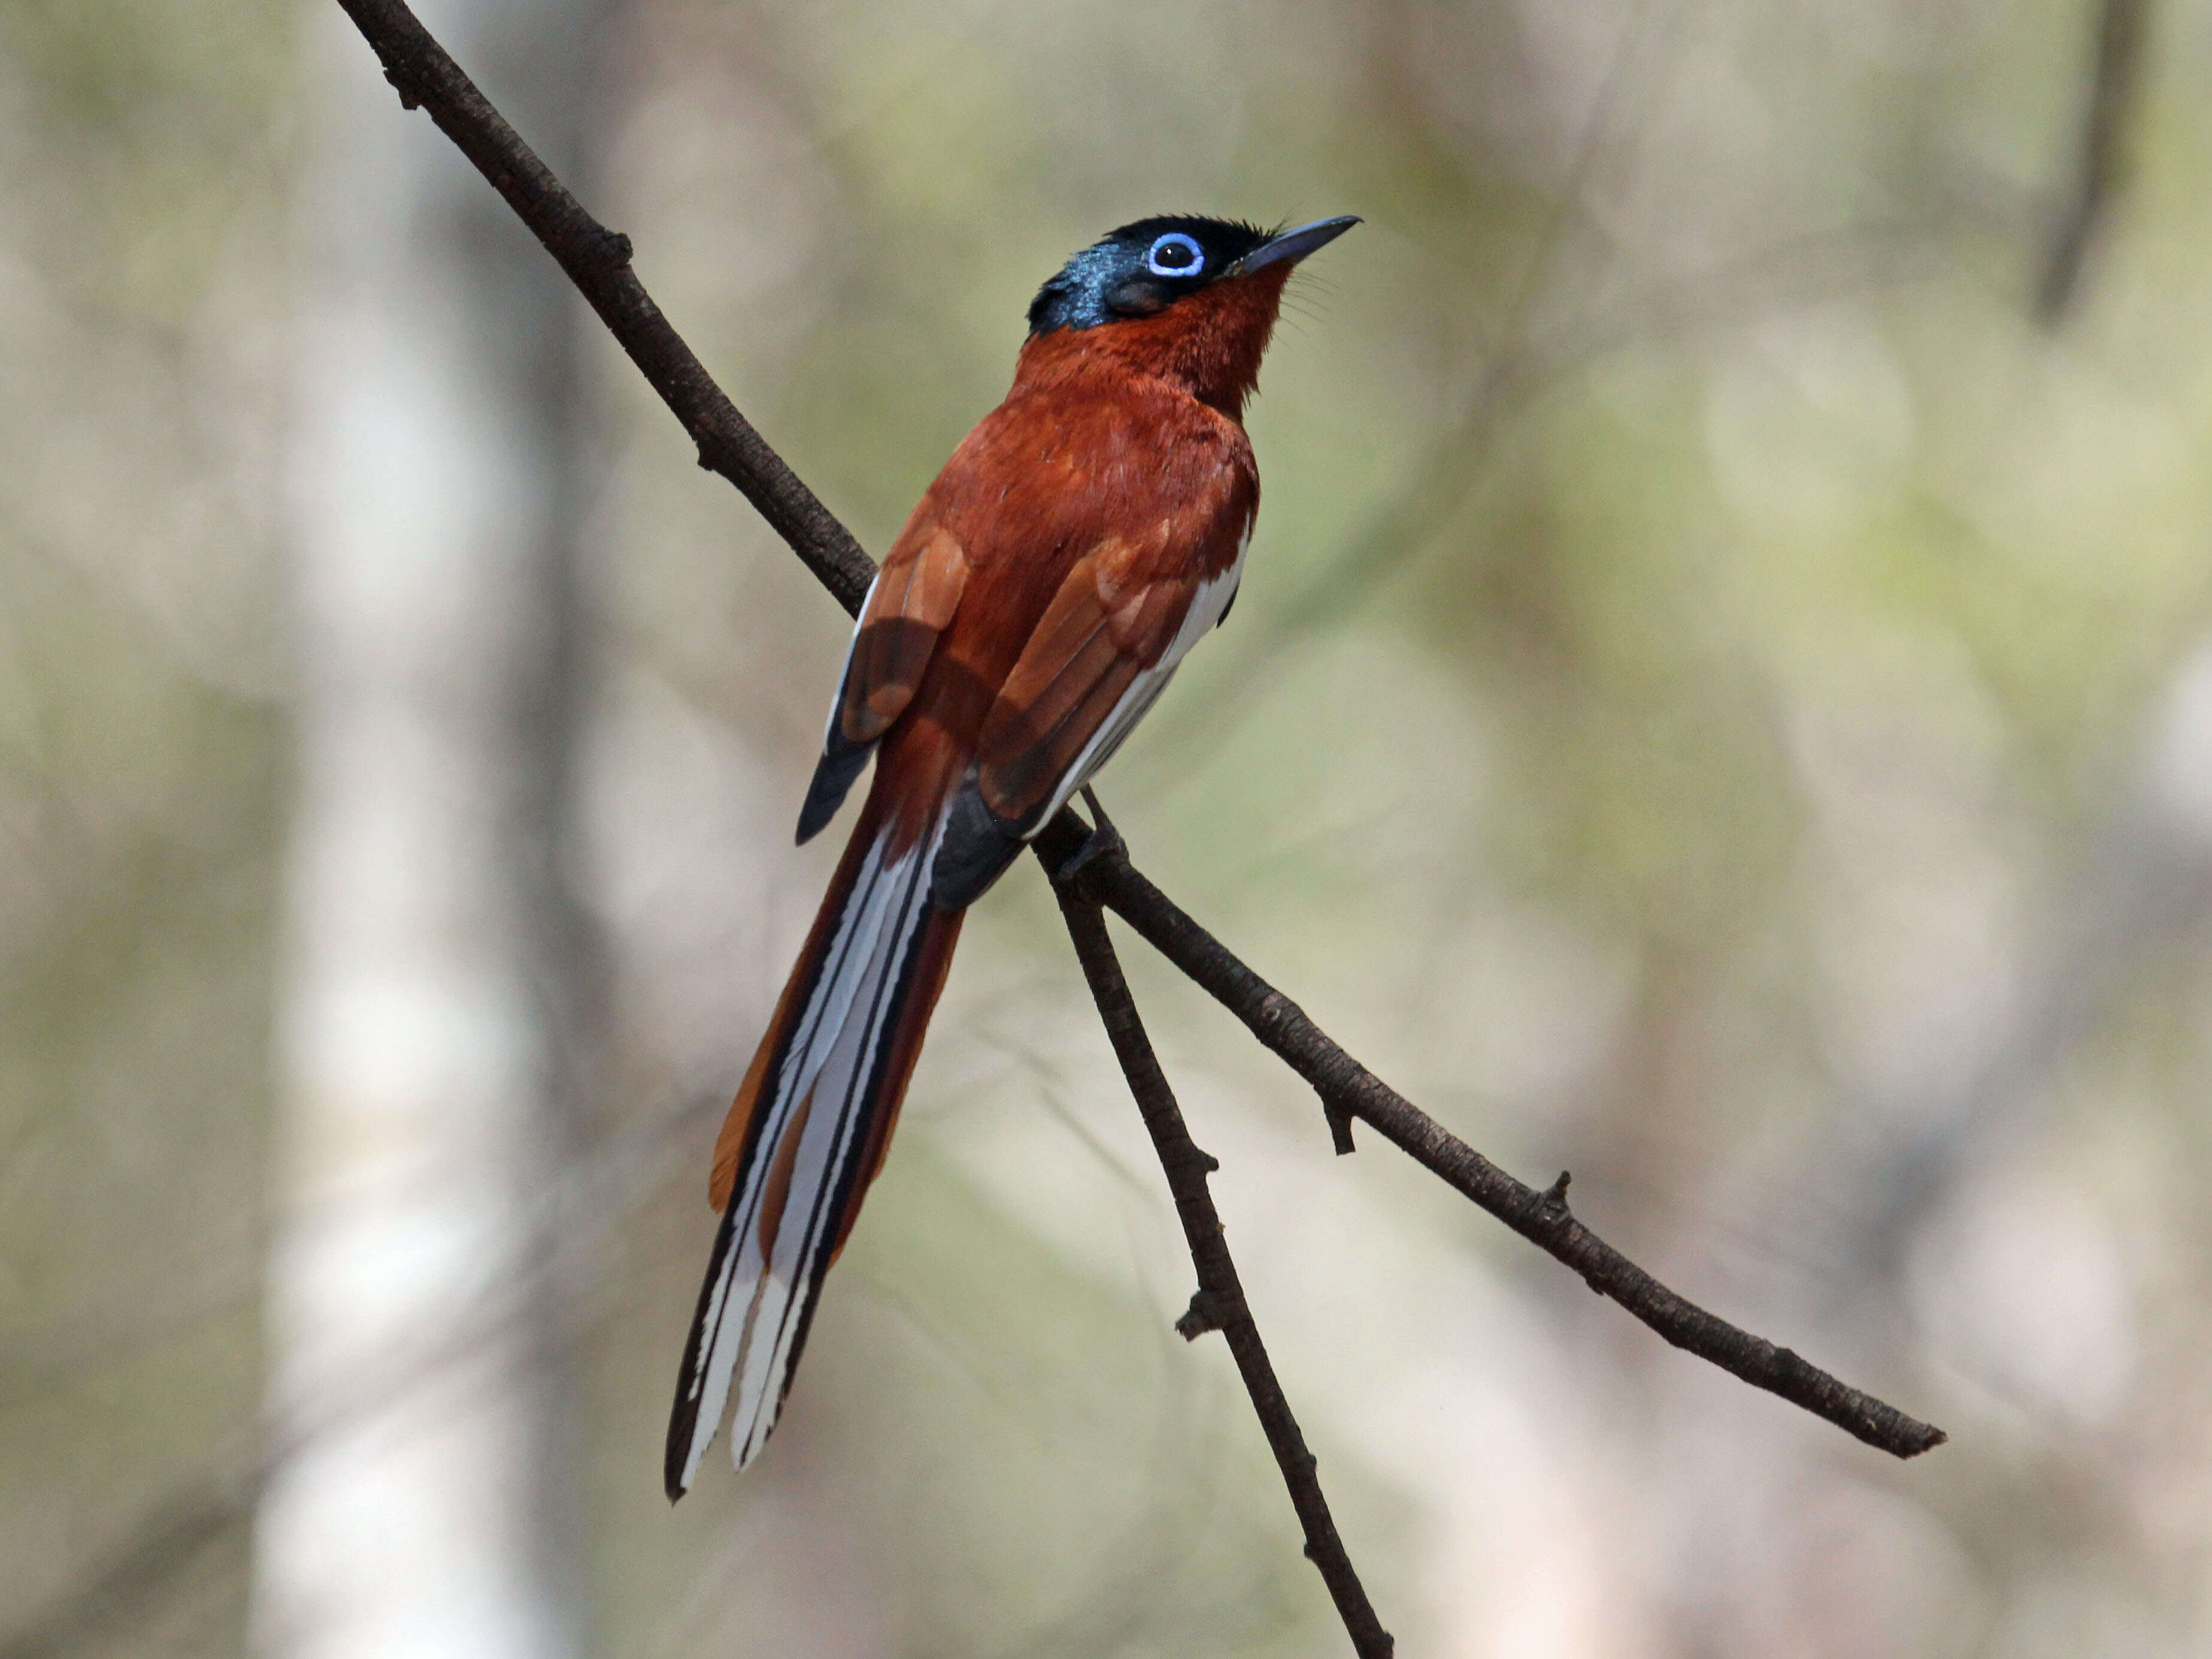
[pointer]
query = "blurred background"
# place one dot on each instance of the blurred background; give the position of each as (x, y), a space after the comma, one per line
(1722, 703)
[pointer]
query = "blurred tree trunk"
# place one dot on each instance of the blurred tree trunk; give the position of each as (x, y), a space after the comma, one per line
(442, 995)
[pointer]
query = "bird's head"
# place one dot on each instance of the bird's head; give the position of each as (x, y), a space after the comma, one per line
(1189, 299)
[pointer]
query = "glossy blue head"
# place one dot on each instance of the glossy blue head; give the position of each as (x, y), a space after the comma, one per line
(1144, 268)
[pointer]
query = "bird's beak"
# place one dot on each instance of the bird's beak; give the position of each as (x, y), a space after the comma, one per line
(1293, 244)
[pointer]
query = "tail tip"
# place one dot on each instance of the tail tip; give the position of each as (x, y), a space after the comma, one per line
(679, 1461)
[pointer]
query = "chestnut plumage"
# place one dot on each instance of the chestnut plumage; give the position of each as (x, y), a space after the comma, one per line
(1081, 539)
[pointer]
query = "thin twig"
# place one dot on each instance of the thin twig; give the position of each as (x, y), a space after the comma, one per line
(1347, 1088)
(599, 262)
(2114, 77)
(1220, 1304)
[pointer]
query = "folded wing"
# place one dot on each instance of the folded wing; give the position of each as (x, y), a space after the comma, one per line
(1111, 639)
(908, 608)
(1107, 648)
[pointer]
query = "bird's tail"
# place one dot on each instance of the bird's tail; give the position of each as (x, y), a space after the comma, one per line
(809, 1128)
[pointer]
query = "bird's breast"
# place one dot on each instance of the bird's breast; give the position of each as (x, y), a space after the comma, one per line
(1128, 484)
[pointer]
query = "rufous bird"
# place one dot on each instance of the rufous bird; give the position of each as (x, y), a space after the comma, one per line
(1085, 536)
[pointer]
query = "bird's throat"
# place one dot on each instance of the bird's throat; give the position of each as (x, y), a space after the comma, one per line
(1208, 344)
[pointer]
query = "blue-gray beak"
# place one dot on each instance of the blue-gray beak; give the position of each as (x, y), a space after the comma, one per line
(1293, 244)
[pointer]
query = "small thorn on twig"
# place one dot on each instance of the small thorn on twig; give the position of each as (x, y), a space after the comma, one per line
(409, 98)
(1197, 1319)
(1554, 1197)
(1339, 1126)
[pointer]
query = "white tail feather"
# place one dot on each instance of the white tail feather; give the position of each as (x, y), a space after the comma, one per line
(814, 1115)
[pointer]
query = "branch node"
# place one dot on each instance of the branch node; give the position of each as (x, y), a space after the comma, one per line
(1199, 1318)
(1554, 1197)
(613, 245)
(403, 84)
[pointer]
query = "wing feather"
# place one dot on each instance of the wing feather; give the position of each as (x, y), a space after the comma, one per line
(908, 610)
(909, 606)
(1106, 646)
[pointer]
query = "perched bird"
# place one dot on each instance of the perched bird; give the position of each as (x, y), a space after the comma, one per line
(1080, 541)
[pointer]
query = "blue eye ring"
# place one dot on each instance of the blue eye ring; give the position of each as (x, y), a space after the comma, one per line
(1176, 240)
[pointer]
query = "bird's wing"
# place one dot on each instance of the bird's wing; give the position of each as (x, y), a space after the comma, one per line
(908, 608)
(1104, 650)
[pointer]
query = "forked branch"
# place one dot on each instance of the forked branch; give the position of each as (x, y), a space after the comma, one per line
(1220, 1304)
(597, 260)
(1348, 1089)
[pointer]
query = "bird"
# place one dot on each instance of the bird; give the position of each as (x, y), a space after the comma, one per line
(1080, 540)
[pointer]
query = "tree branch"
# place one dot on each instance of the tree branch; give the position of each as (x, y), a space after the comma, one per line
(1220, 1304)
(1347, 1088)
(597, 261)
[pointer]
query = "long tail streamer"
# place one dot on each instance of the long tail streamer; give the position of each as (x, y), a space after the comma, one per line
(807, 1133)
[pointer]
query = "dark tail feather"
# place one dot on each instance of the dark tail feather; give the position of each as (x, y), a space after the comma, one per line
(807, 1133)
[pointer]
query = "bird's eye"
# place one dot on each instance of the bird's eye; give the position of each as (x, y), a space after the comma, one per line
(1176, 255)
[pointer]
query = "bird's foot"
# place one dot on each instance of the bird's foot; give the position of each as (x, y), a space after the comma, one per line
(1103, 842)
